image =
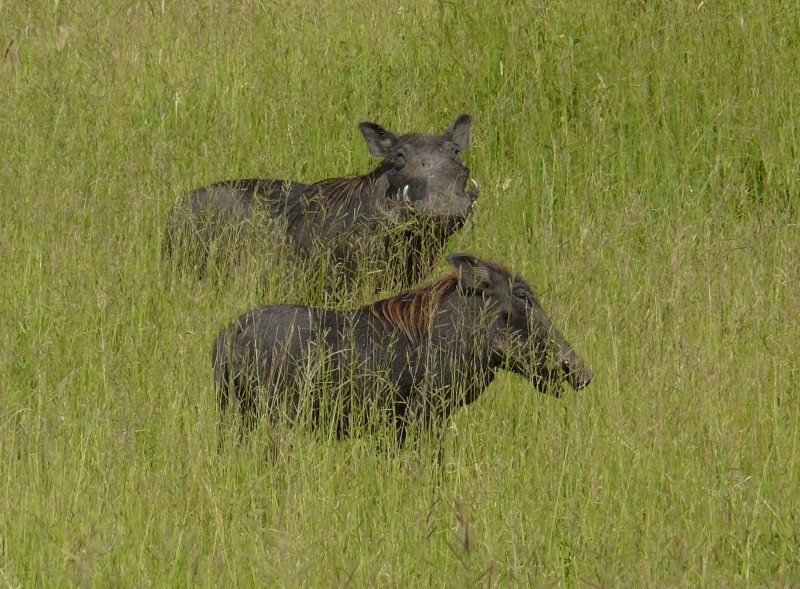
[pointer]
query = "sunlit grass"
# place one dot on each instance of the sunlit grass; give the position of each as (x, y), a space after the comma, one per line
(638, 165)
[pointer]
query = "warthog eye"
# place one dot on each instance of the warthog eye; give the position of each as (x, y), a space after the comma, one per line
(521, 297)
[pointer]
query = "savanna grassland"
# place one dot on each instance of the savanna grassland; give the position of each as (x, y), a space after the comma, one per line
(639, 166)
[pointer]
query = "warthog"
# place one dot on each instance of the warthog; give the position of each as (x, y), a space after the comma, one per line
(411, 359)
(392, 221)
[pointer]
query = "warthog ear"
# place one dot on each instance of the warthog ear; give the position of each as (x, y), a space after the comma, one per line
(459, 133)
(379, 140)
(473, 273)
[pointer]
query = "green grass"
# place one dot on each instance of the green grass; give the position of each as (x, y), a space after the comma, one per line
(639, 166)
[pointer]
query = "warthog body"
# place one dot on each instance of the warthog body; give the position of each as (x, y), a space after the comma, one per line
(408, 360)
(395, 219)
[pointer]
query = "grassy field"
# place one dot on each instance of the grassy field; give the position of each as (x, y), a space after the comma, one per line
(639, 166)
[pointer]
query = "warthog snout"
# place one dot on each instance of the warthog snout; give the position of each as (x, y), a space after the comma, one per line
(575, 372)
(566, 365)
(569, 368)
(449, 207)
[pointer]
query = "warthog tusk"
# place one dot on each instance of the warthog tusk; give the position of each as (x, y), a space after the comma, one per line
(406, 200)
(473, 194)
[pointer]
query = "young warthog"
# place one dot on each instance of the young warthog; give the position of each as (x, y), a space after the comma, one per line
(394, 219)
(411, 359)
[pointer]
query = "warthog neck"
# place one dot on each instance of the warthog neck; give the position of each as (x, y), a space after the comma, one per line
(410, 312)
(353, 189)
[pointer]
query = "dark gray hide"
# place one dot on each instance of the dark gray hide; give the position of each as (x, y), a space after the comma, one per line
(391, 222)
(408, 360)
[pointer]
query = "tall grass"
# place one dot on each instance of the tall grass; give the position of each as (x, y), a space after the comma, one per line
(639, 166)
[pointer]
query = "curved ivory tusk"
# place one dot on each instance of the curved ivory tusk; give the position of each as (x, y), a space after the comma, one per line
(405, 195)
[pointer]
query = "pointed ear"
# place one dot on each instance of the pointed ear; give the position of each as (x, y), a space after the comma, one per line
(473, 274)
(379, 140)
(459, 133)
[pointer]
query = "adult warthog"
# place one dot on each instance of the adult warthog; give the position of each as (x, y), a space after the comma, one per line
(411, 359)
(391, 222)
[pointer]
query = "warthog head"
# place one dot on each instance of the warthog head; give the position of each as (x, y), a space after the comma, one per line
(521, 336)
(424, 173)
